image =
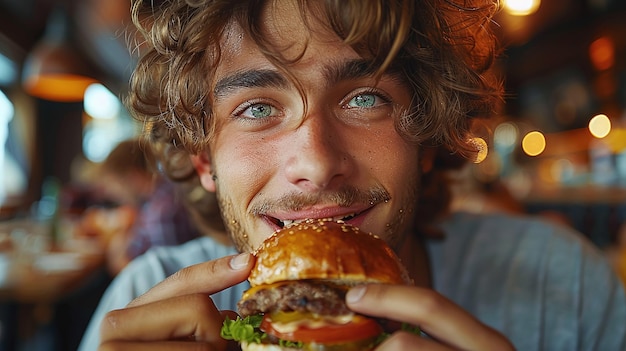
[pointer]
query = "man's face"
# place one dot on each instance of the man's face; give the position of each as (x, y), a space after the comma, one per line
(275, 160)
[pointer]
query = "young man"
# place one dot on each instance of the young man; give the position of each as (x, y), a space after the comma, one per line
(346, 109)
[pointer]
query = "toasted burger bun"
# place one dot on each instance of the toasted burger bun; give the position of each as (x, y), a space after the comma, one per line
(326, 250)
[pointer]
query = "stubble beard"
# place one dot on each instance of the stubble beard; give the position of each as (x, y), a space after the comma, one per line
(233, 226)
(402, 223)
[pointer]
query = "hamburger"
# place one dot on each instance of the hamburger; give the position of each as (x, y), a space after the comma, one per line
(296, 299)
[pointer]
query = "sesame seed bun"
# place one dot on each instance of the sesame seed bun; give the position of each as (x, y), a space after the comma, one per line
(326, 250)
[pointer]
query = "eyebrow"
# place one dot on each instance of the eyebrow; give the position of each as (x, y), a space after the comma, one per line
(349, 70)
(262, 78)
(267, 78)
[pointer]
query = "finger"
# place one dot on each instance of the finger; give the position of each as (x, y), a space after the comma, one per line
(207, 278)
(158, 346)
(432, 312)
(406, 341)
(188, 317)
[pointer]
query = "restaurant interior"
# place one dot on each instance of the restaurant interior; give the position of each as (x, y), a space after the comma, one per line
(556, 149)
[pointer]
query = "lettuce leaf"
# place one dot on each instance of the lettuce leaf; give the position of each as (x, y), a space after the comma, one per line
(247, 329)
(413, 329)
(243, 329)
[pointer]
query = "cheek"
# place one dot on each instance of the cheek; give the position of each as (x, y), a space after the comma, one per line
(243, 166)
(395, 164)
(391, 157)
(241, 172)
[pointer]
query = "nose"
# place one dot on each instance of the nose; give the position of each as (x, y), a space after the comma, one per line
(317, 157)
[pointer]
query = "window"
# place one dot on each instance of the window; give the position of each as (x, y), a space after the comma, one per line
(108, 123)
(14, 176)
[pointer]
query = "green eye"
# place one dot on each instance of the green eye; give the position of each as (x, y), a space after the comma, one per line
(258, 111)
(363, 100)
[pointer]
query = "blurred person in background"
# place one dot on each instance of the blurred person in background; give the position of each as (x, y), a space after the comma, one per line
(144, 208)
(202, 205)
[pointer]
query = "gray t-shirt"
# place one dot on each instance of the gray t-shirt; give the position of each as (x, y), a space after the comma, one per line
(544, 286)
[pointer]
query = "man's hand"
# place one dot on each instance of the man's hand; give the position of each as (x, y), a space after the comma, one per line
(178, 313)
(450, 327)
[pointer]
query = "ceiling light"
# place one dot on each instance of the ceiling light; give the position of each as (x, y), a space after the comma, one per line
(521, 7)
(54, 70)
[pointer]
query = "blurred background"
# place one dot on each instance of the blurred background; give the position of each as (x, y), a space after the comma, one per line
(557, 148)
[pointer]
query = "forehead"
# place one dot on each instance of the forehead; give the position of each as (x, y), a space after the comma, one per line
(306, 43)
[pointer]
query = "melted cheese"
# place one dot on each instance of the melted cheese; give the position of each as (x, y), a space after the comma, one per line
(253, 290)
(312, 322)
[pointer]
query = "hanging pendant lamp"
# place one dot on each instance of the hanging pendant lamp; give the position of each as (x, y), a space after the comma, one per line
(54, 70)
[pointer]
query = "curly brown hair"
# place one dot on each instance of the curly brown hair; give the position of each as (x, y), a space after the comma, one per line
(444, 48)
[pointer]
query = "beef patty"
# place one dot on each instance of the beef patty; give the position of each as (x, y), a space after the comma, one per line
(301, 296)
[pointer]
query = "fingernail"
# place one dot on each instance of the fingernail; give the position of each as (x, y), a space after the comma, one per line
(355, 294)
(240, 261)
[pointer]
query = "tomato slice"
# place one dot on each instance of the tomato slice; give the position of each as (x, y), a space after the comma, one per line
(329, 333)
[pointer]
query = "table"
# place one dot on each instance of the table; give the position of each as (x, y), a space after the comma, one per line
(46, 286)
(48, 277)
(33, 269)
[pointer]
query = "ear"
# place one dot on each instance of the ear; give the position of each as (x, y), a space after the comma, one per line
(202, 164)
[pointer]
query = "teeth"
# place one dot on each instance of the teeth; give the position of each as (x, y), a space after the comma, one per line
(288, 222)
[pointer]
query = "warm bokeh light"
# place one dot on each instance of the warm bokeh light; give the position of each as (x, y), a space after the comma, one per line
(480, 145)
(602, 53)
(600, 126)
(521, 7)
(534, 143)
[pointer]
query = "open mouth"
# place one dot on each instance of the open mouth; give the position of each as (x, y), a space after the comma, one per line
(286, 222)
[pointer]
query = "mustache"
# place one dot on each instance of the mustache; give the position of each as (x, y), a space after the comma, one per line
(344, 197)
